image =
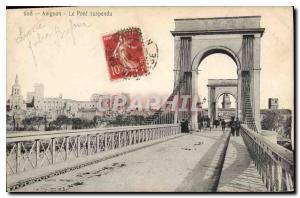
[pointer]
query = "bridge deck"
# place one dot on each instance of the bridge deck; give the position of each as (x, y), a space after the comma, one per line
(187, 163)
(239, 173)
(161, 167)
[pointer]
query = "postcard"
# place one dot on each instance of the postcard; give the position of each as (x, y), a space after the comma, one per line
(150, 99)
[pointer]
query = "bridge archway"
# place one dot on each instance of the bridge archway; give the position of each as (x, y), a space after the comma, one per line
(223, 110)
(237, 37)
(201, 55)
(217, 88)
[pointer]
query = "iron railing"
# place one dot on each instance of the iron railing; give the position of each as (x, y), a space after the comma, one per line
(32, 150)
(274, 163)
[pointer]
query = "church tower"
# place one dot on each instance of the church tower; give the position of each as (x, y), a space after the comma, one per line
(16, 99)
(16, 89)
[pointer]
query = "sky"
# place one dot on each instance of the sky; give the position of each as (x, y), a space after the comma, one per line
(42, 49)
(216, 66)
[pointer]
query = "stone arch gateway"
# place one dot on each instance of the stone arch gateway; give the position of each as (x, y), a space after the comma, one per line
(237, 37)
(216, 88)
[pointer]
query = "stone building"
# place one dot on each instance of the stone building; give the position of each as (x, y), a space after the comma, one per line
(59, 106)
(37, 104)
(37, 94)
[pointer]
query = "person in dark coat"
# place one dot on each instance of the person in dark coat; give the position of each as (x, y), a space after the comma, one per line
(237, 127)
(184, 126)
(216, 123)
(223, 123)
(208, 124)
(232, 126)
(200, 122)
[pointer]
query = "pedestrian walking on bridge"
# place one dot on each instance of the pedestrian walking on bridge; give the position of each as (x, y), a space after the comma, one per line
(200, 122)
(223, 123)
(208, 124)
(184, 126)
(232, 126)
(237, 127)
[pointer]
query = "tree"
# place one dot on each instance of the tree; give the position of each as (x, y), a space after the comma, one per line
(14, 122)
(287, 126)
(37, 120)
(61, 120)
(45, 122)
(27, 122)
(96, 119)
(76, 123)
(271, 120)
(8, 118)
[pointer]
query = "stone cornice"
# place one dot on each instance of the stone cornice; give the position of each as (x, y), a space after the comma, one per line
(223, 31)
(223, 85)
(209, 18)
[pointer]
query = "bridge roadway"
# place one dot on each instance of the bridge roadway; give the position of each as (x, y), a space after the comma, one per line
(189, 162)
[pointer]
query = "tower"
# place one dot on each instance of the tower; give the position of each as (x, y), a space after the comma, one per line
(16, 89)
(226, 103)
(38, 91)
(273, 103)
(16, 100)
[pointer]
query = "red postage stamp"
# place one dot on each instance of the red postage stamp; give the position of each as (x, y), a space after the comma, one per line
(124, 54)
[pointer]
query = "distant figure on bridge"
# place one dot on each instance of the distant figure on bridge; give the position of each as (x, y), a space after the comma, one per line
(184, 126)
(208, 124)
(200, 122)
(223, 123)
(232, 126)
(216, 123)
(237, 127)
